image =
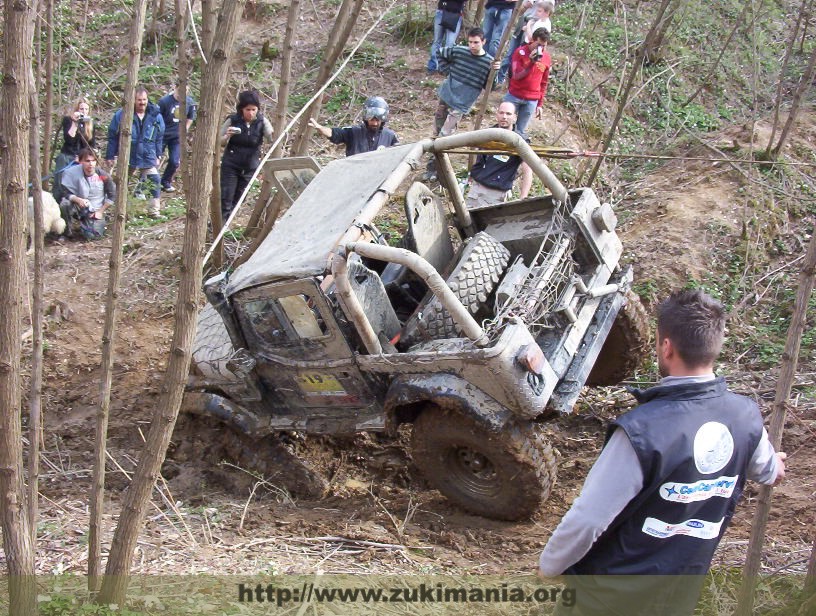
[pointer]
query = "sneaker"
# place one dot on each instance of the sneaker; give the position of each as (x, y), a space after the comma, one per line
(140, 196)
(169, 188)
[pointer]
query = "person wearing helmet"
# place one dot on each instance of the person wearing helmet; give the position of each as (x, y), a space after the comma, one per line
(371, 134)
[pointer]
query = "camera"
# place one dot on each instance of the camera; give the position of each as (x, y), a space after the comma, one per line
(235, 130)
(82, 117)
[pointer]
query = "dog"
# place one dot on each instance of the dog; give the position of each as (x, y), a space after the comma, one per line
(52, 218)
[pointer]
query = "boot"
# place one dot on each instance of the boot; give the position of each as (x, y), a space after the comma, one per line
(154, 209)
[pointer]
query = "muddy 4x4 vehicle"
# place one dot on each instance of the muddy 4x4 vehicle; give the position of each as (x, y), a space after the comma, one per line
(482, 325)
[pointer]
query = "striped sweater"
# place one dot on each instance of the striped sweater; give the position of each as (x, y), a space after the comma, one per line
(467, 76)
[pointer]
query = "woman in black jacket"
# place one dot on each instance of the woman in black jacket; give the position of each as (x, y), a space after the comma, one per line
(78, 133)
(242, 135)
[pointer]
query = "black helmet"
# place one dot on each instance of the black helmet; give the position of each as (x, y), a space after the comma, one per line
(375, 107)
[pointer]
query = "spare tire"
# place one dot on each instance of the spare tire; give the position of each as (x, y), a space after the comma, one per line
(625, 346)
(473, 281)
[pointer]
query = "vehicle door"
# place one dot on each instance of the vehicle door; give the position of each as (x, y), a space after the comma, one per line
(302, 356)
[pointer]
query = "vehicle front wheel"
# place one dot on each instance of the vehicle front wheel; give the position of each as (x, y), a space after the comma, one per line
(504, 475)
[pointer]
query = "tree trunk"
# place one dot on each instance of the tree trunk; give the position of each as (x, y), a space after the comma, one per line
(623, 98)
(341, 30)
(215, 205)
(209, 14)
(114, 274)
(499, 53)
(18, 42)
(479, 16)
(654, 39)
(787, 372)
(782, 71)
(38, 234)
(138, 494)
(798, 95)
(280, 113)
(48, 123)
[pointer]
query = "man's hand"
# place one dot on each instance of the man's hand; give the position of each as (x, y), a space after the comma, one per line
(496, 65)
(781, 456)
(324, 130)
(538, 113)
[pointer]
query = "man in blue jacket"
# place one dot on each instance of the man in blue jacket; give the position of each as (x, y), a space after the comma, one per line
(170, 107)
(642, 533)
(146, 141)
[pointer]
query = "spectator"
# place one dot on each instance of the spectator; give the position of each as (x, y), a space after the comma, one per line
(78, 133)
(468, 69)
(492, 175)
(661, 494)
(529, 78)
(370, 134)
(89, 192)
(242, 133)
(170, 107)
(543, 9)
(146, 140)
(496, 19)
(447, 22)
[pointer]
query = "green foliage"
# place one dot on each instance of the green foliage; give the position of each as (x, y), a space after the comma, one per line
(413, 25)
(61, 605)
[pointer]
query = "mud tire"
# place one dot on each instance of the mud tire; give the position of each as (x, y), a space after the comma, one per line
(212, 347)
(504, 476)
(625, 346)
(473, 281)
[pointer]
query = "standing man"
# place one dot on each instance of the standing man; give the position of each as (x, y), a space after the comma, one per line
(446, 25)
(88, 193)
(661, 494)
(146, 141)
(496, 19)
(468, 69)
(170, 107)
(367, 136)
(529, 77)
(492, 175)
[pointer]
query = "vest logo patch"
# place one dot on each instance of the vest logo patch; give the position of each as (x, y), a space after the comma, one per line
(699, 490)
(713, 447)
(699, 529)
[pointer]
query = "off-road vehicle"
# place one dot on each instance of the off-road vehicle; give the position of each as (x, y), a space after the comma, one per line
(483, 324)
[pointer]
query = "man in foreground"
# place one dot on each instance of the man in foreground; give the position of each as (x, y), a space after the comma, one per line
(661, 494)
(492, 175)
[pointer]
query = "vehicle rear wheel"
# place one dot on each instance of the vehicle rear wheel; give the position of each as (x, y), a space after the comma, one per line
(625, 346)
(503, 475)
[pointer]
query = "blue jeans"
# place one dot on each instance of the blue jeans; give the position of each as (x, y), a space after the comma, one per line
(495, 21)
(525, 110)
(174, 149)
(515, 43)
(442, 38)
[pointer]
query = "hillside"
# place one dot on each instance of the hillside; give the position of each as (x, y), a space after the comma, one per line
(736, 229)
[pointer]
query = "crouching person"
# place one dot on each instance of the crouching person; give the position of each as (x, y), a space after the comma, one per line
(88, 193)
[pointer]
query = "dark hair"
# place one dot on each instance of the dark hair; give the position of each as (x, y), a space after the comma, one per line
(246, 98)
(140, 90)
(695, 323)
(476, 32)
(86, 152)
(541, 34)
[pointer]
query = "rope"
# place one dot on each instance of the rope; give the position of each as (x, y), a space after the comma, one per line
(550, 152)
(287, 129)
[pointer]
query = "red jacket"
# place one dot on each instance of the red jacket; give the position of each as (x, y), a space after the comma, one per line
(528, 80)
